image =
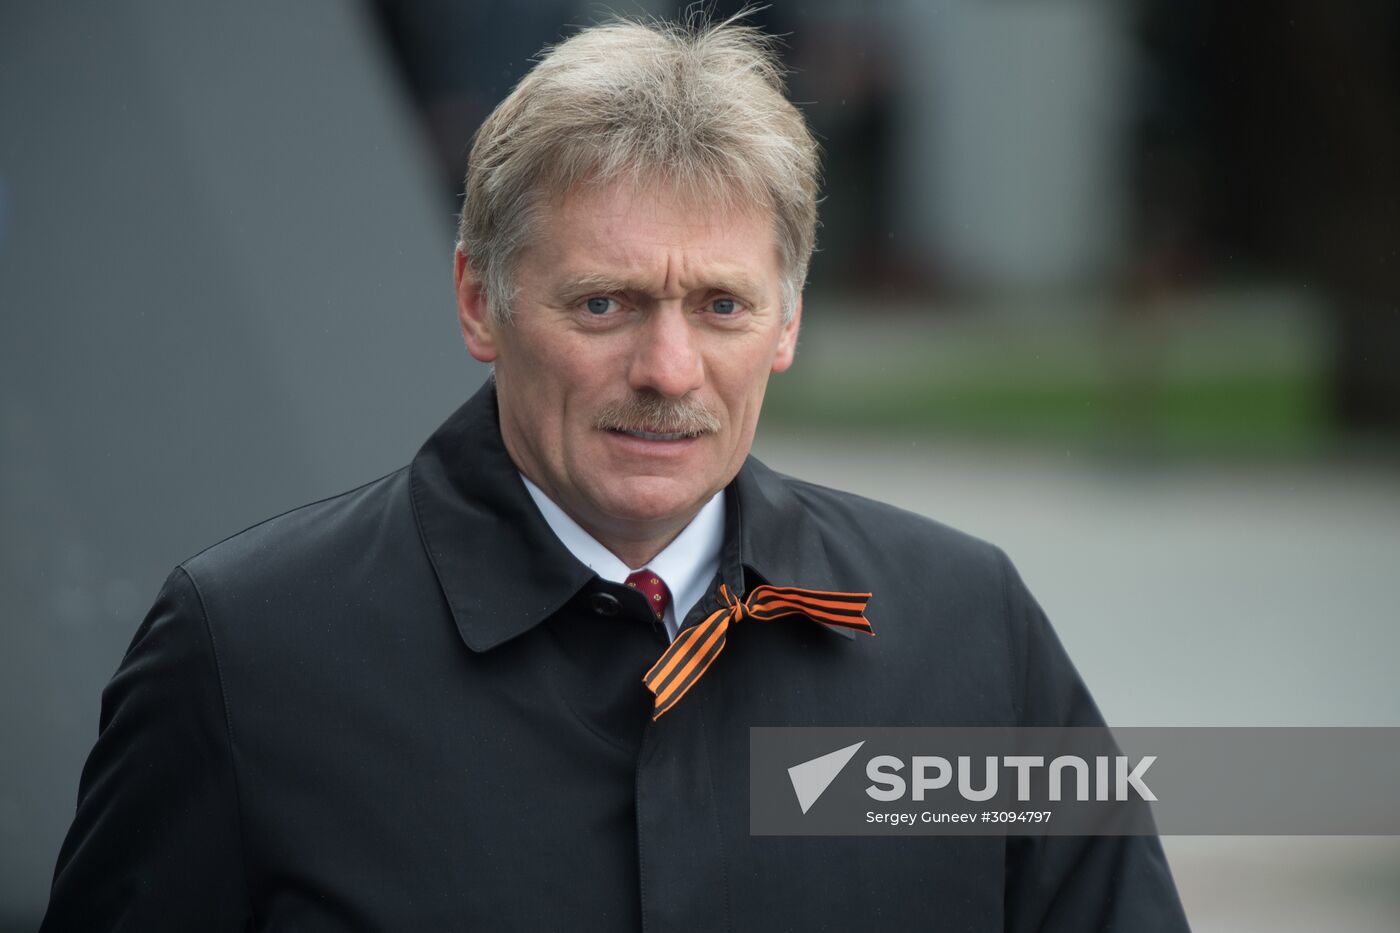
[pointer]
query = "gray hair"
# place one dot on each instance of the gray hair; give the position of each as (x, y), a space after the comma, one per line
(700, 108)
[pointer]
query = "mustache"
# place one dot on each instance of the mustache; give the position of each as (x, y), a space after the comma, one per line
(658, 415)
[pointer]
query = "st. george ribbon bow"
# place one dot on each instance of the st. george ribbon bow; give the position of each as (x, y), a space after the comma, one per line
(681, 665)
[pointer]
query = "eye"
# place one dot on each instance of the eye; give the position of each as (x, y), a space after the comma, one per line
(599, 305)
(724, 306)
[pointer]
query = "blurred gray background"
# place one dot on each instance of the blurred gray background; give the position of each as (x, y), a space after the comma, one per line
(1115, 285)
(225, 286)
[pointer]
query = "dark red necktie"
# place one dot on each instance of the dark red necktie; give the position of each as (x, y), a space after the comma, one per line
(695, 648)
(658, 597)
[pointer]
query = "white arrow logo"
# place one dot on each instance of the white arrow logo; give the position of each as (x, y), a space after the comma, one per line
(811, 778)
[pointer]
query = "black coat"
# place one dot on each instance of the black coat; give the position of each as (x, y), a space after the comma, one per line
(408, 707)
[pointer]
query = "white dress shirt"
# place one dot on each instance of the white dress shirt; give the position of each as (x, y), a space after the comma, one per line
(686, 565)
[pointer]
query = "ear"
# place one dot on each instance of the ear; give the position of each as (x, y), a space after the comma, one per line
(787, 340)
(478, 327)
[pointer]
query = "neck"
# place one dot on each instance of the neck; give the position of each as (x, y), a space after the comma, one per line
(634, 543)
(635, 555)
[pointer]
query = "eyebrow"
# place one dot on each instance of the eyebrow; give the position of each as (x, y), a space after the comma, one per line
(576, 287)
(594, 282)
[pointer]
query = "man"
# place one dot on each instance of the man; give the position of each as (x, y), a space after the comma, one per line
(420, 705)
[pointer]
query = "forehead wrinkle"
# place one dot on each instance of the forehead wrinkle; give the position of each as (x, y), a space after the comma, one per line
(591, 259)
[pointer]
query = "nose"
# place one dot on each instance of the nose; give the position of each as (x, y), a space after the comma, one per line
(666, 358)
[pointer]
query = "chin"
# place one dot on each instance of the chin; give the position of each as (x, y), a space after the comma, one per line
(642, 504)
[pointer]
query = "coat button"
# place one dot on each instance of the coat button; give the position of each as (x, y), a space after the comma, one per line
(605, 604)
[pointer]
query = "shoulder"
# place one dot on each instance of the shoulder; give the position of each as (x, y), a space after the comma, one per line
(311, 540)
(849, 523)
(944, 596)
(954, 619)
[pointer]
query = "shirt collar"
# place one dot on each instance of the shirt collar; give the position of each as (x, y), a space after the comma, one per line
(686, 565)
(503, 570)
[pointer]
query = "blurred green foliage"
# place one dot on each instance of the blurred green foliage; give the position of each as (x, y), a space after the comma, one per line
(1237, 375)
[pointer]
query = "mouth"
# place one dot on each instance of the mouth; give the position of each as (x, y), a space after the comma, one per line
(655, 435)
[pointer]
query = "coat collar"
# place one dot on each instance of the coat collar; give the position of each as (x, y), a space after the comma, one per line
(503, 571)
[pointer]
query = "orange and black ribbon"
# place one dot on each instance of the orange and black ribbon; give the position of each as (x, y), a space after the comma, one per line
(696, 648)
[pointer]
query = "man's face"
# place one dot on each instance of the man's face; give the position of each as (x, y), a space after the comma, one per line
(631, 375)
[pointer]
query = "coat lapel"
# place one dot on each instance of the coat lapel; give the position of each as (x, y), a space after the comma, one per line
(779, 541)
(501, 568)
